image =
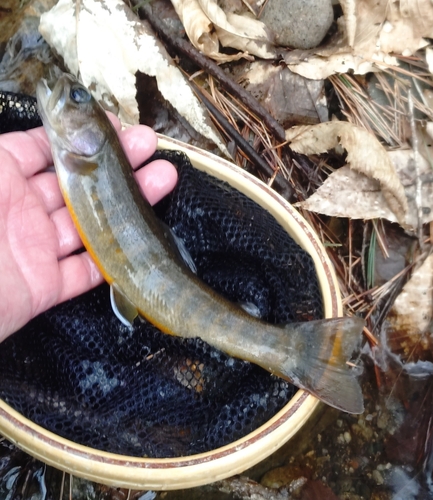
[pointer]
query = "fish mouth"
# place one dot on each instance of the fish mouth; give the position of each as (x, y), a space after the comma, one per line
(45, 102)
(51, 99)
(43, 91)
(43, 94)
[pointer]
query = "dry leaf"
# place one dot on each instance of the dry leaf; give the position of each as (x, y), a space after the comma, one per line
(429, 58)
(241, 26)
(197, 25)
(289, 98)
(347, 193)
(407, 337)
(258, 48)
(412, 309)
(368, 33)
(239, 32)
(207, 25)
(111, 46)
(336, 56)
(388, 25)
(320, 67)
(200, 30)
(364, 154)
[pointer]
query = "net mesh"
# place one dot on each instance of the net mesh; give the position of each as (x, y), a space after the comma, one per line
(79, 372)
(17, 112)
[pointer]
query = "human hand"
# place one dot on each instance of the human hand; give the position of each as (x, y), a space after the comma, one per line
(37, 235)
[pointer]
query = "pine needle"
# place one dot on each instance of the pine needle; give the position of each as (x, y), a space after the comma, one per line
(388, 121)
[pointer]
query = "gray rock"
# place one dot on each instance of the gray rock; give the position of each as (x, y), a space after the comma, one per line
(300, 24)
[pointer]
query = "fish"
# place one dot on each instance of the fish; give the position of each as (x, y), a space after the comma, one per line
(139, 257)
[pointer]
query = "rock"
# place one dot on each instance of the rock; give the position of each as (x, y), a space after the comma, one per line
(300, 24)
(315, 490)
(282, 476)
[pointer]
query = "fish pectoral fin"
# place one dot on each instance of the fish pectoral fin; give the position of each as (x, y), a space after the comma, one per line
(179, 247)
(251, 308)
(122, 307)
(79, 164)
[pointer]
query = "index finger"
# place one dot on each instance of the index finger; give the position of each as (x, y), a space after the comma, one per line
(31, 149)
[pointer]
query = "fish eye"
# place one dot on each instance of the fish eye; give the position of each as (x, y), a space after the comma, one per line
(80, 94)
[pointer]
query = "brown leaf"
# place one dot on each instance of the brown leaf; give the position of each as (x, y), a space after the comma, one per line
(389, 26)
(111, 46)
(200, 30)
(364, 154)
(289, 98)
(368, 33)
(412, 309)
(336, 56)
(207, 25)
(347, 193)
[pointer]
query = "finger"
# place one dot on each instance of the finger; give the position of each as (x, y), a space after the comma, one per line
(156, 180)
(139, 143)
(30, 150)
(79, 274)
(46, 187)
(67, 236)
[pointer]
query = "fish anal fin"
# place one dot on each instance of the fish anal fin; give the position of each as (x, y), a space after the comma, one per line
(122, 307)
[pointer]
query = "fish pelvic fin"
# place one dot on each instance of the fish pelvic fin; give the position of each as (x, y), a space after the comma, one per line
(323, 349)
(122, 307)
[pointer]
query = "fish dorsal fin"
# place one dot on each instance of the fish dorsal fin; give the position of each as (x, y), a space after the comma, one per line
(122, 307)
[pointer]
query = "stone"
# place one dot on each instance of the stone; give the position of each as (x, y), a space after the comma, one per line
(300, 24)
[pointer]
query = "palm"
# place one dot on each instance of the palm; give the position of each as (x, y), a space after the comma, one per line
(37, 236)
(31, 275)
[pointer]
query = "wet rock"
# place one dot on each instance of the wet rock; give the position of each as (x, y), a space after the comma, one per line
(363, 429)
(282, 476)
(301, 24)
(377, 476)
(314, 490)
(380, 494)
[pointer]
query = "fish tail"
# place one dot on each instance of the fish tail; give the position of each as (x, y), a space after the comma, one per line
(323, 348)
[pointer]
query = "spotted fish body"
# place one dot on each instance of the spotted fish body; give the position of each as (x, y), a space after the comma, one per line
(137, 256)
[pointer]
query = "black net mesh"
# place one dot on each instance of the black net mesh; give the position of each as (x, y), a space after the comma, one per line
(18, 112)
(79, 372)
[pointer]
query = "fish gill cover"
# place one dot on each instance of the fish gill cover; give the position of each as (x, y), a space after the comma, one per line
(79, 372)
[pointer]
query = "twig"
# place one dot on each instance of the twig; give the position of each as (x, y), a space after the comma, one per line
(349, 281)
(280, 182)
(371, 338)
(62, 485)
(188, 50)
(418, 181)
(252, 123)
(248, 6)
(262, 8)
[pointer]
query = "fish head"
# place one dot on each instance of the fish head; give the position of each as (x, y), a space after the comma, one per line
(75, 123)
